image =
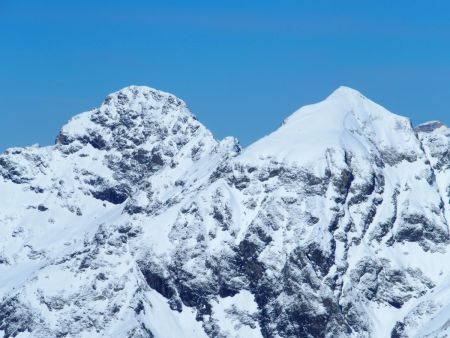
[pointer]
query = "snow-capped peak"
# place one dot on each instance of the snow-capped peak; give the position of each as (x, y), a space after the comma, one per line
(341, 103)
(130, 117)
(346, 119)
(344, 91)
(429, 127)
(134, 95)
(138, 223)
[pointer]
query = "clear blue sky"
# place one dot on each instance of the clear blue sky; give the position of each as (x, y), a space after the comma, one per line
(242, 66)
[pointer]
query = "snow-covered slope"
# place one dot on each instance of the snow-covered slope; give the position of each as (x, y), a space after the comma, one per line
(138, 223)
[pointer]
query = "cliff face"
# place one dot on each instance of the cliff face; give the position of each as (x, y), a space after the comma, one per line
(138, 223)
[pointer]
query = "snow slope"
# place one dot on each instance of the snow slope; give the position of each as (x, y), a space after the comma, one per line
(138, 223)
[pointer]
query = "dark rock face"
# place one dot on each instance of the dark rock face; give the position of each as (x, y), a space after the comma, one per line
(114, 195)
(42, 207)
(12, 171)
(157, 281)
(305, 294)
(398, 330)
(15, 318)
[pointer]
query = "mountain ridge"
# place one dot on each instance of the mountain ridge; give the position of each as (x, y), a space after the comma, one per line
(139, 223)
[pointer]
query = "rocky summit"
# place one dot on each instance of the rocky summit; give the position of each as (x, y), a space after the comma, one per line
(139, 223)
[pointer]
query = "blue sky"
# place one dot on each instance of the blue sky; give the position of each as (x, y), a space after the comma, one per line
(242, 66)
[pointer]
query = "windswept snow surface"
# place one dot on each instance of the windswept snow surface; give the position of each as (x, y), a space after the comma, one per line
(138, 223)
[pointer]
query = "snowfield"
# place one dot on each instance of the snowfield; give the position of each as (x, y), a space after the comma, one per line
(139, 223)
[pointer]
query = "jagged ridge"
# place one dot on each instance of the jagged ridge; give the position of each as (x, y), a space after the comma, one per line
(138, 223)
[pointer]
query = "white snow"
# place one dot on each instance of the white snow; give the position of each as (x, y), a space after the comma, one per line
(43, 250)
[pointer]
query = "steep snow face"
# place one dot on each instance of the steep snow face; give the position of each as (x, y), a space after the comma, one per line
(138, 223)
(345, 120)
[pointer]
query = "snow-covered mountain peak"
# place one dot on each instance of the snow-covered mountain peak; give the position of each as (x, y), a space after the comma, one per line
(134, 96)
(345, 120)
(344, 91)
(340, 105)
(132, 117)
(139, 224)
(430, 126)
